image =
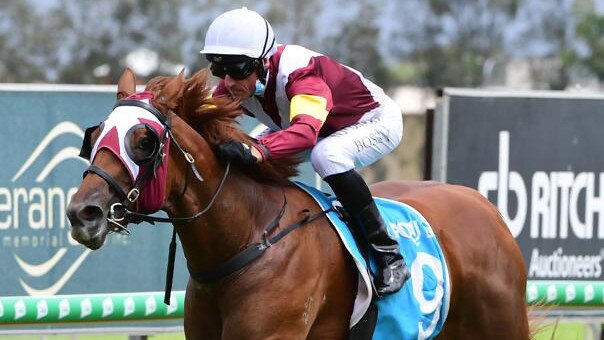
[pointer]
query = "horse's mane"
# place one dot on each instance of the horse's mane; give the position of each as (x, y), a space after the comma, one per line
(214, 118)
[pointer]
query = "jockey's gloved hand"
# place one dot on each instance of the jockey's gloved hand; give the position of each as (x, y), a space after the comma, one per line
(236, 152)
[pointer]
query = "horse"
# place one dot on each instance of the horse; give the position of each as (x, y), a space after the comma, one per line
(304, 286)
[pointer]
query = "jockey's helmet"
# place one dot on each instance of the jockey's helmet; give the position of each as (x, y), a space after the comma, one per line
(238, 34)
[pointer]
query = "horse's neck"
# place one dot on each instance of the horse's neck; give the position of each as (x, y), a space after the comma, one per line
(233, 220)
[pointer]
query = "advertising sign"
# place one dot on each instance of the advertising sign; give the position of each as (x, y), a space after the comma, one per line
(537, 157)
(42, 133)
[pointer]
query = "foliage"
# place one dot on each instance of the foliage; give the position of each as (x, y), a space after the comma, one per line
(455, 39)
(107, 33)
(591, 30)
(26, 52)
(433, 43)
(355, 45)
(549, 25)
(293, 20)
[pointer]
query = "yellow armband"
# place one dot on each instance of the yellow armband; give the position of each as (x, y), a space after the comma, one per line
(314, 106)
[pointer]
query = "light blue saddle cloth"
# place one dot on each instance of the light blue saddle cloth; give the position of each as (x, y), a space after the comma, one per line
(419, 309)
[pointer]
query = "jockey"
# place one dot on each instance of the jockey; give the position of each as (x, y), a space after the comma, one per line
(308, 101)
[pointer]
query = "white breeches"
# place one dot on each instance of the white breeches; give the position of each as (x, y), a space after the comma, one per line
(378, 133)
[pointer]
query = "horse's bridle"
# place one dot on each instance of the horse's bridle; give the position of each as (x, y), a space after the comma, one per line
(119, 212)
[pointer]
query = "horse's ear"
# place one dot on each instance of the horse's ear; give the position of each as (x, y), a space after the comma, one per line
(127, 84)
(172, 91)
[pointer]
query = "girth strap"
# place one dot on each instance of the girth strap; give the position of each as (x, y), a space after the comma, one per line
(251, 252)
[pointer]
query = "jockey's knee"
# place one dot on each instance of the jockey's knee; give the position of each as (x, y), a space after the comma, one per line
(328, 160)
(396, 137)
(393, 122)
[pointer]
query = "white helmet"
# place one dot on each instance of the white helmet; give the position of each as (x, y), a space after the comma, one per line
(240, 32)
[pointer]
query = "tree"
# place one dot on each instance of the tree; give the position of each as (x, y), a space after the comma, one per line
(450, 40)
(101, 34)
(27, 43)
(544, 31)
(356, 44)
(590, 29)
(294, 21)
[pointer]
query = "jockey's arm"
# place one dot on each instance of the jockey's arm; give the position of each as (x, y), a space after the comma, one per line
(307, 115)
(310, 102)
(309, 105)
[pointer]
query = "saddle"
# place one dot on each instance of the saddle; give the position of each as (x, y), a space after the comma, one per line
(419, 309)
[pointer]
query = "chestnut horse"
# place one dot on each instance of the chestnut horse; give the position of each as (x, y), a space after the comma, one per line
(304, 286)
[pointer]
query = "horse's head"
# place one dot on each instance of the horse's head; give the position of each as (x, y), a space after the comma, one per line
(126, 153)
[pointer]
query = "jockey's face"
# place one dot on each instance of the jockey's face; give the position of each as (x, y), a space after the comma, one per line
(239, 75)
(241, 89)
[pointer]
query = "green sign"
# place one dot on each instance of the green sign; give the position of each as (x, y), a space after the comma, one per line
(90, 308)
(565, 293)
(94, 308)
(42, 132)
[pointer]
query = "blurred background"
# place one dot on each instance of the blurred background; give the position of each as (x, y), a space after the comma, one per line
(529, 44)
(410, 48)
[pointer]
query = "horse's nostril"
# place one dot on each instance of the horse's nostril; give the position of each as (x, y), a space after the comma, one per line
(90, 213)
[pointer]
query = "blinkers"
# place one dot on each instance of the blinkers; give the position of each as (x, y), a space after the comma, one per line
(137, 133)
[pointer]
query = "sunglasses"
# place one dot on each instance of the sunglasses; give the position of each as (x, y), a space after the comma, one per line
(237, 70)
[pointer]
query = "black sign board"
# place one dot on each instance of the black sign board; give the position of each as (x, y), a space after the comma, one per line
(539, 157)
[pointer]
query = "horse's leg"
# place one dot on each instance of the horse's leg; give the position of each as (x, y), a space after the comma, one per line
(487, 272)
(333, 319)
(287, 318)
(487, 307)
(268, 308)
(302, 289)
(201, 320)
(492, 304)
(488, 275)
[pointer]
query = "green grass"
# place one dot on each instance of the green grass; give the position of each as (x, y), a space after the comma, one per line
(168, 336)
(564, 331)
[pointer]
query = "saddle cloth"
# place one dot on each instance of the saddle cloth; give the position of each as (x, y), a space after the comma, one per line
(419, 309)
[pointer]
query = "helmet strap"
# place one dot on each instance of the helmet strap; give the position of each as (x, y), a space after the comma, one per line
(261, 70)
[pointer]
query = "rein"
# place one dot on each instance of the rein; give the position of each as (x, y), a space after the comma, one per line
(136, 218)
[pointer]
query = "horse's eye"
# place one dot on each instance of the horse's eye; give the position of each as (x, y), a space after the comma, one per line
(146, 143)
(141, 144)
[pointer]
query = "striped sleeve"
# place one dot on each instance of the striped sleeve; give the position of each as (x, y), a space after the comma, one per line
(301, 135)
(309, 106)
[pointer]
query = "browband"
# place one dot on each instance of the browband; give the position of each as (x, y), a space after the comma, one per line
(141, 104)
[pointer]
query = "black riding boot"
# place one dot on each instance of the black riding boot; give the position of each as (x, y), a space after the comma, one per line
(392, 269)
(352, 191)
